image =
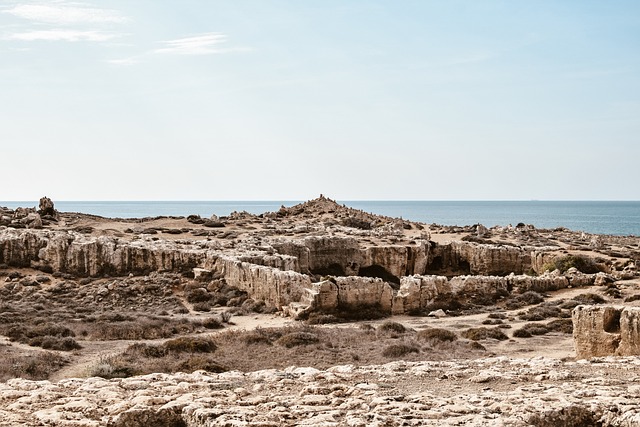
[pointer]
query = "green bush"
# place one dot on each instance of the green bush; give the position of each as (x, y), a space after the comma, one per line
(581, 263)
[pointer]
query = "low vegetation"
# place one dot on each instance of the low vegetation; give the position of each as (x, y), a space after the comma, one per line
(399, 350)
(266, 348)
(436, 334)
(581, 263)
(36, 365)
(574, 416)
(564, 326)
(482, 333)
(521, 300)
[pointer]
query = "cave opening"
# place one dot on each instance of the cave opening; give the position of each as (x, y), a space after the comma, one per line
(464, 267)
(611, 321)
(435, 265)
(379, 272)
(330, 270)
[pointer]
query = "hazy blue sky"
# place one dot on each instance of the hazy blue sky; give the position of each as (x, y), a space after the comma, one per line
(266, 99)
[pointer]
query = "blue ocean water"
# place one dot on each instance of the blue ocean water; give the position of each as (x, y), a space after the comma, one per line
(604, 217)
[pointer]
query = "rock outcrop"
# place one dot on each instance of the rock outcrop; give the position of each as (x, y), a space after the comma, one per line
(605, 331)
(46, 207)
(398, 393)
(282, 273)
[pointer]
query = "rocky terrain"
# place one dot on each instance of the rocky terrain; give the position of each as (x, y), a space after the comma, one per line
(357, 319)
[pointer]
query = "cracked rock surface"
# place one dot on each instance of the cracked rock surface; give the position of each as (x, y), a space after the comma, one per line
(484, 392)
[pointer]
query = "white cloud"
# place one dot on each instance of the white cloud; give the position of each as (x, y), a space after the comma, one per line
(63, 35)
(122, 62)
(203, 44)
(65, 14)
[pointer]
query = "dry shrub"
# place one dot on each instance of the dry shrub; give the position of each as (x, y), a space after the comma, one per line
(190, 345)
(482, 333)
(55, 343)
(437, 334)
(198, 295)
(47, 335)
(613, 291)
(571, 416)
(321, 319)
(543, 312)
(589, 298)
(142, 329)
(474, 345)
(185, 354)
(213, 323)
(632, 298)
(492, 322)
(500, 316)
(203, 307)
(200, 363)
(256, 338)
(531, 329)
(294, 339)
(33, 366)
(114, 366)
(570, 304)
(146, 350)
(392, 328)
(399, 350)
(527, 298)
(561, 325)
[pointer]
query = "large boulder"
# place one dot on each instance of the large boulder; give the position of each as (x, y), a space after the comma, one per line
(606, 331)
(596, 330)
(46, 207)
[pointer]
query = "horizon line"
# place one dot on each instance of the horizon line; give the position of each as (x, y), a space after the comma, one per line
(336, 200)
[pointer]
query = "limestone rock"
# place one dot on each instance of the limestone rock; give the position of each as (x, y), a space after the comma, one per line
(629, 331)
(596, 330)
(437, 313)
(46, 207)
(414, 393)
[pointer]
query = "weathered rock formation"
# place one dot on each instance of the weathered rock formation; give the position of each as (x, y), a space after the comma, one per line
(606, 331)
(281, 273)
(46, 207)
(399, 393)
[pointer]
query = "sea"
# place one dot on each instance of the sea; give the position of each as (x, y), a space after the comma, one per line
(601, 217)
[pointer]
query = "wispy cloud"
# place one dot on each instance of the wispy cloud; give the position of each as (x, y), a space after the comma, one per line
(203, 44)
(123, 61)
(66, 14)
(62, 35)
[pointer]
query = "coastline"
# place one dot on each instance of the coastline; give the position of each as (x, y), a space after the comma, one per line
(619, 218)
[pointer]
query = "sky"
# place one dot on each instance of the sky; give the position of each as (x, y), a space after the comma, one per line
(289, 99)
